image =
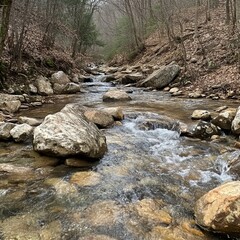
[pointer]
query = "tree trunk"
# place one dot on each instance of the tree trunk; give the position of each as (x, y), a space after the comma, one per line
(7, 4)
(228, 12)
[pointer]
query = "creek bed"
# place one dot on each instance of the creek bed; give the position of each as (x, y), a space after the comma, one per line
(145, 187)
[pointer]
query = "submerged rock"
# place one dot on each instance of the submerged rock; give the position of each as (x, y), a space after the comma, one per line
(68, 133)
(88, 178)
(219, 209)
(116, 95)
(161, 77)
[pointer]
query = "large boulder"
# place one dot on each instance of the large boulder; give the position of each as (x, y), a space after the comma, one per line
(116, 95)
(68, 133)
(219, 209)
(161, 77)
(60, 78)
(44, 86)
(236, 123)
(225, 118)
(131, 78)
(22, 132)
(100, 118)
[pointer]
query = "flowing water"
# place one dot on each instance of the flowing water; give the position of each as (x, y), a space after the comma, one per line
(145, 187)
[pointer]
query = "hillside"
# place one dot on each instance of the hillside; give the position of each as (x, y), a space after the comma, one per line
(211, 59)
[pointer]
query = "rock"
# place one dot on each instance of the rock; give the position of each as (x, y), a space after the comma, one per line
(84, 179)
(100, 118)
(220, 109)
(97, 237)
(225, 118)
(236, 123)
(62, 187)
(5, 129)
(44, 86)
(9, 168)
(115, 112)
(201, 114)
(112, 70)
(68, 133)
(152, 211)
(22, 132)
(197, 94)
(108, 78)
(234, 167)
(161, 77)
(161, 122)
(105, 213)
(60, 78)
(71, 88)
(131, 78)
(205, 130)
(219, 209)
(30, 121)
(174, 90)
(80, 163)
(8, 97)
(116, 95)
(166, 89)
(10, 106)
(33, 89)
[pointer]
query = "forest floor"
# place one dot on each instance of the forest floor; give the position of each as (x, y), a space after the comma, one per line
(211, 58)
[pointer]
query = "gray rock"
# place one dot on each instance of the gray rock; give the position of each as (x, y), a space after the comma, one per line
(60, 78)
(201, 114)
(33, 89)
(116, 95)
(236, 123)
(10, 106)
(44, 86)
(68, 133)
(161, 77)
(205, 130)
(30, 121)
(71, 88)
(5, 129)
(225, 118)
(22, 132)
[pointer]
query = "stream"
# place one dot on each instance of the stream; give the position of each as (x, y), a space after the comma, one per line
(144, 188)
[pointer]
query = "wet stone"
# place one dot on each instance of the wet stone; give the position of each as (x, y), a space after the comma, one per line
(84, 179)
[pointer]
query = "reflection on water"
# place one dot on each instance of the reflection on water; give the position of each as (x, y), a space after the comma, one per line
(145, 187)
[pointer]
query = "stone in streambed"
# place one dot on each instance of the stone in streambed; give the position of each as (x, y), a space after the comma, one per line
(68, 133)
(201, 114)
(115, 112)
(30, 121)
(100, 118)
(22, 132)
(225, 118)
(236, 123)
(115, 96)
(219, 209)
(205, 130)
(161, 77)
(87, 178)
(5, 129)
(44, 86)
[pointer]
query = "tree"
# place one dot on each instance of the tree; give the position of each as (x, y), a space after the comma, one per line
(6, 9)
